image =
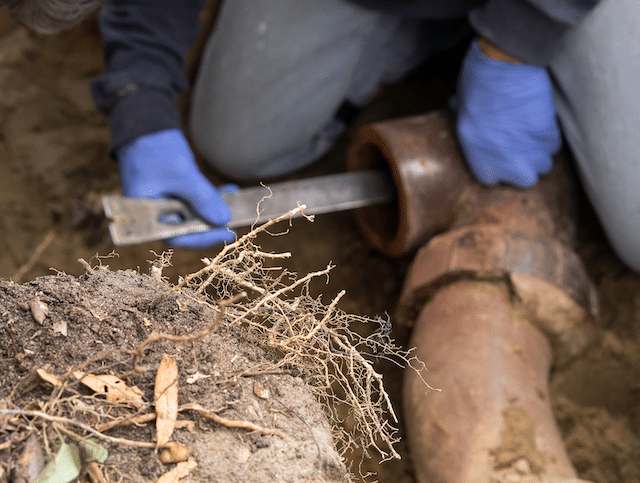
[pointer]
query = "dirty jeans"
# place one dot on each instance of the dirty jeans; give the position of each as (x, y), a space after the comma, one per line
(275, 72)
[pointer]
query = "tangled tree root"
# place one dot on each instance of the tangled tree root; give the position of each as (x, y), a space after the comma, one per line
(309, 335)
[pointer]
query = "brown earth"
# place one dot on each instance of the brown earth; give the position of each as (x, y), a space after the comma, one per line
(54, 167)
(91, 322)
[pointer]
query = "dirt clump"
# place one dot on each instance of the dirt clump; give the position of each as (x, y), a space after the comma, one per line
(235, 373)
(255, 374)
(107, 315)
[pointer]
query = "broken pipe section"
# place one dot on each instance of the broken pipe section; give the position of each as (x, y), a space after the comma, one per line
(496, 296)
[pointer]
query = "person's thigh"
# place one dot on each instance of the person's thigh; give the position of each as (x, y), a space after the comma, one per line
(274, 73)
(597, 76)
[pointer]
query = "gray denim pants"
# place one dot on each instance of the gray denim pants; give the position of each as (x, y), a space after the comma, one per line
(597, 95)
(275, 72)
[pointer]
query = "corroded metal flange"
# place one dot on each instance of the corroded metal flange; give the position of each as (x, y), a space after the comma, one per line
(429, 174)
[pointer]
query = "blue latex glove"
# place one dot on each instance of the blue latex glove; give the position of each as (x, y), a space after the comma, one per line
(506, 122)
(162, 165)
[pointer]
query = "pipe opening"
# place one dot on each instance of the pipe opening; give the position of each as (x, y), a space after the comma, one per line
(380, 222)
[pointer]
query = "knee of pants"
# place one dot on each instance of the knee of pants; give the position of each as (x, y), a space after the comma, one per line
(617, 206)
(235, 157)
(624, 237)
(264, 154)
(274, 72)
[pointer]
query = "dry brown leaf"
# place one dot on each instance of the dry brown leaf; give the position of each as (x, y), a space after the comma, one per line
(30, 461)
(115, 389)
(48, 377)
(39, 310)
(166, 397)
(260, 391)
(180, 471)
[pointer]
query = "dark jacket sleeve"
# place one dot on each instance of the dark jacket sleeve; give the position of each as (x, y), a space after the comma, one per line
(529, 29)
(144, 42)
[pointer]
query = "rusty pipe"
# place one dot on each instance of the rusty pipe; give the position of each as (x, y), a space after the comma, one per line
(496, 296)
(424, 160)
(526, 236)
(495, 302)
(436, 191)
(492, 418)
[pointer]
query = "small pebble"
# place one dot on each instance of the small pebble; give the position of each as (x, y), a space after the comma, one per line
(522, 466)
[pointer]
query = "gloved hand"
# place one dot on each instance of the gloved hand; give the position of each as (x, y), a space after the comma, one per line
(162, 165)
(506, 121)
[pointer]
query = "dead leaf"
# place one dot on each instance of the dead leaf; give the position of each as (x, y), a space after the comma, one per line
(30, 461)
(180, 471)
(114, 388)
(166, 397)
(48, 377)
(260, 391)
(39, 310)
(60, 327)
(174, 452)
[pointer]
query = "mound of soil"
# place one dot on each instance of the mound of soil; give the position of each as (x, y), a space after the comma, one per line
(60, 324)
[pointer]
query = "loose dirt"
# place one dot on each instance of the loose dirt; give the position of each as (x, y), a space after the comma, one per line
(54, 168)
(106, 313)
